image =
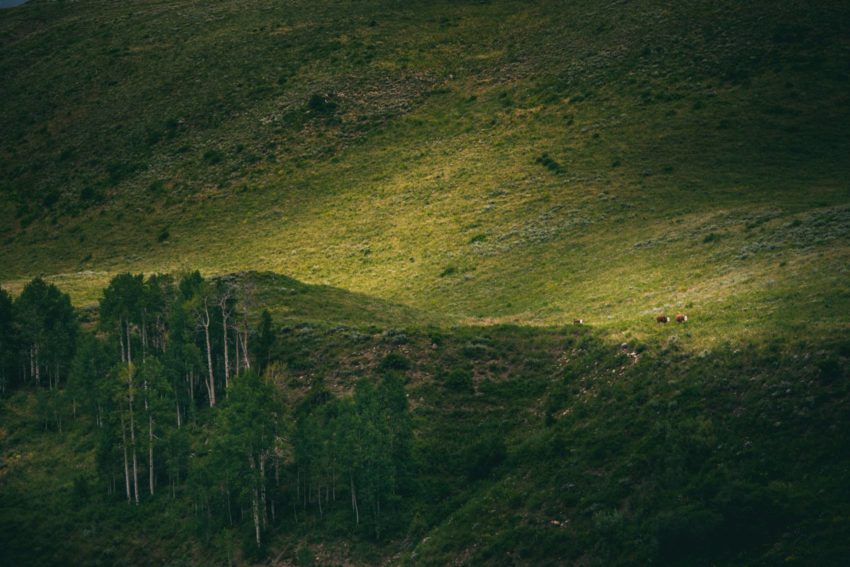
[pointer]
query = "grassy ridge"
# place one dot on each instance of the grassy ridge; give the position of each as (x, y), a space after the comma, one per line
(486, 162)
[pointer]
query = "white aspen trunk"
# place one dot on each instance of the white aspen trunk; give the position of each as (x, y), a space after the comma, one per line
(129, 343)
(178, 413)
(150, 421)
(191, 380)
(265, 516)
(255, 504)
(133, 438)
(244, 342)
(224, 316)
(135, 469)
(150, 454)
(121, 340)
(126, 465)
(236, 344)
(206, 324)
(354, 501)
(37, 367)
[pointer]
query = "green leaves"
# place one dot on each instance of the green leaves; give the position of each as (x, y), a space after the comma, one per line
(362, 445)
(48, 327)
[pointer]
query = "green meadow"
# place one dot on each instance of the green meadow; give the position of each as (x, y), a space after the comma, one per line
(484, 162)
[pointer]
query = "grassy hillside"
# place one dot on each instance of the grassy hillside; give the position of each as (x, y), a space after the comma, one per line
(526, 162)
(532, 447)
(433, 191)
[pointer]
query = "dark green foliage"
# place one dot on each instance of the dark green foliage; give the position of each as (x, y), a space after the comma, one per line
(549, 163)
(459, 380)
(118, 171)
(9, 342)
(485, 455)
(190, 284)
(321, 104)
(213, 156)
(394, 362)
(89, 195)
(48, 332)
(362, 447)
(829, 370)
(89, 376)
(264, 342)
(243, 441)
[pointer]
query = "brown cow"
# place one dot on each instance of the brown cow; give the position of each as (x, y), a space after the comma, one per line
(681, 318)
(578, 321)
(662, 319)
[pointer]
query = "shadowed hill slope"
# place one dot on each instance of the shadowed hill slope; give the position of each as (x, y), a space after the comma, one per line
(531, 447)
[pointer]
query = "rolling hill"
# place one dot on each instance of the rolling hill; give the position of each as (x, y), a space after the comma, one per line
(482, 161)
(425, 195)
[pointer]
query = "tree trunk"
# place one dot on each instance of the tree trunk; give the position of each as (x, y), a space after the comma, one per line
(236, 344)
(255, 503)
(150, 454)
(191, 379)
(129, 345)
(144, 337)
(133, 438)
(37, 367)
(121, 340)
(354, 501)
(206, 324)
(244, 342)
(126, 465)
(265, 515)
(319, 498)
(224, 315)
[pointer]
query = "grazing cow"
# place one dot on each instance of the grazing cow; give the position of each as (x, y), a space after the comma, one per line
(578, 321)
(662, 319)
(681, 318)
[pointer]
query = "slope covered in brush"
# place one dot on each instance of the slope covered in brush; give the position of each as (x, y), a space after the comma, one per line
(484, 161)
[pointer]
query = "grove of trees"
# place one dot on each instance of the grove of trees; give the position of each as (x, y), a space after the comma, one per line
(171, 382)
